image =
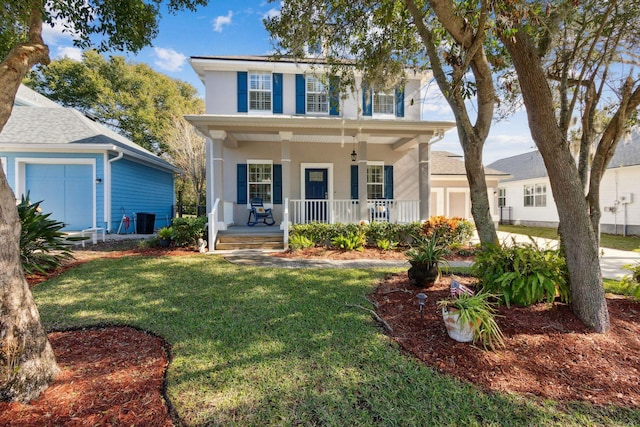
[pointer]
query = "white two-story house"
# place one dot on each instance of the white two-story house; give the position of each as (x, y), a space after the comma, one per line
(279, 130)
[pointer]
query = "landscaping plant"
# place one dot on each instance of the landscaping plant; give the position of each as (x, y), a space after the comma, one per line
(42, 245)
(299, 241)
(478, 311)
(187, 231)
(523, 273)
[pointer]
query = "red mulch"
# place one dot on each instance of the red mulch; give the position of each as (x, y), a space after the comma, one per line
(108, 376)
(114, 376)
(548, 353)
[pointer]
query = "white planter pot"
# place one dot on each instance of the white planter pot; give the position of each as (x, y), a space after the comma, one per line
(461, 332)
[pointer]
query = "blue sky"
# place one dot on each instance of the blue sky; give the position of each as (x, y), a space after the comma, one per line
(236, 28)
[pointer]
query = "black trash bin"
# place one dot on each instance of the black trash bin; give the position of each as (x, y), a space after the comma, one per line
(145, 222)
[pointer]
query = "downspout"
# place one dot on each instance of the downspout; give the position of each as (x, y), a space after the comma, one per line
(107, 184)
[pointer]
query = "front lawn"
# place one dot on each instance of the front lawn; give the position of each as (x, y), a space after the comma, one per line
(261, 346)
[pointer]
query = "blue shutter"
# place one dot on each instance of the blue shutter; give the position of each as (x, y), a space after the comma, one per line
(277, 93)
(241, 184)
(301, 87)
(354, 182)
(388, 182)
(400, 102)
(367, 101)
(334, 96)
(243, 92)
(277, 184)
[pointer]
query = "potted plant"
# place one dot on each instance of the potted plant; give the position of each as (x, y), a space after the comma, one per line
(165, 234)
(471, 317)
(425, 260)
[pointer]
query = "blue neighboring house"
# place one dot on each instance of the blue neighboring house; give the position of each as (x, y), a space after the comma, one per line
(86, 175)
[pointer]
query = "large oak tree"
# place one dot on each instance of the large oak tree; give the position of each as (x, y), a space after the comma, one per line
(27, 362)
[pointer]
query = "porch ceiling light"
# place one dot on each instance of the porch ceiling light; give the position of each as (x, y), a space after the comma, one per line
(354, 155)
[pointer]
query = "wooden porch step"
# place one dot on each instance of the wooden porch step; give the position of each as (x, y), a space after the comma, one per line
(250, 241)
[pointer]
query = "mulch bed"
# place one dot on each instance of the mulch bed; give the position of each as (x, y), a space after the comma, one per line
(108, 376)
(115, 375)
(549, 353)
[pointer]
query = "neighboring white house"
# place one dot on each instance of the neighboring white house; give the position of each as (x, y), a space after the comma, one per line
(526, 199)
(280, 131)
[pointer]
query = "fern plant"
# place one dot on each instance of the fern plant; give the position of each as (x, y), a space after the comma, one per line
(523, 274)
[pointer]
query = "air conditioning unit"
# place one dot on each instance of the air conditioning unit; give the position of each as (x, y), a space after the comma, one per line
(626, 198)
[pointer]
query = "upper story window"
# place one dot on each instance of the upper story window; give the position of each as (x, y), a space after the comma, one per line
(502, 197)
(535, 195)
(317, 96)
(375, 181)
(260, 84)
(384, 103)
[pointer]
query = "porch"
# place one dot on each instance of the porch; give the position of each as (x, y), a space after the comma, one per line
(237, 235)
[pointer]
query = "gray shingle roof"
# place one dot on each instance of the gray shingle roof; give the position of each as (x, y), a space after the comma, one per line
(530, 165)
(523, 166)
(446, 163)
(48, 126)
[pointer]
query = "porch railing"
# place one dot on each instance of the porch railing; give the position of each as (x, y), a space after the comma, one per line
(348, 211)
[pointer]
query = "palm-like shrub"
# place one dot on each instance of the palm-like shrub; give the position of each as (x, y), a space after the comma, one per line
(42, 245)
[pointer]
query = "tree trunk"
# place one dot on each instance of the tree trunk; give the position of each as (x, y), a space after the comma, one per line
(27, 362)
(581, 250)
(480, 207)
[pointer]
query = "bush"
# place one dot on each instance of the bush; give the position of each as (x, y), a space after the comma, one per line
(299, 242)
(187, 231)
(523, 274)
(322, 234)
(386, 244)
(448, 231)
(350, 241)
(42, 245)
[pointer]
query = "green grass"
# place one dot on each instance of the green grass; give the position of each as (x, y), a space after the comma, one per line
(265, 347)
(611, 241)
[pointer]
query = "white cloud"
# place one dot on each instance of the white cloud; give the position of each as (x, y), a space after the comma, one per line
(70, 52)
(221, 21)
(271, 13)
(169, 59)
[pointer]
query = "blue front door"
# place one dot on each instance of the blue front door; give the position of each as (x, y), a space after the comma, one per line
(66, 192)
(316, 186)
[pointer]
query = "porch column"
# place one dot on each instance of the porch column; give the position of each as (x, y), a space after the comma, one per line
(362, 176)
(215, 175)
(285, 148)
(424, 175)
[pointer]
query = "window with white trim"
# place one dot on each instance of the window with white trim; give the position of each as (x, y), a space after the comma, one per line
(535, 195)
(260, 85)
(384, 103)
(317, 95)
(260, 180)
(502, 197)
(375, 181)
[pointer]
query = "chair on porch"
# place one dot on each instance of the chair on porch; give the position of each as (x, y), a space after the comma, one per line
(259, 213)
(379, 212)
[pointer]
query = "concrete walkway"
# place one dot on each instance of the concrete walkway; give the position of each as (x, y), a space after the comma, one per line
(611, 260)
